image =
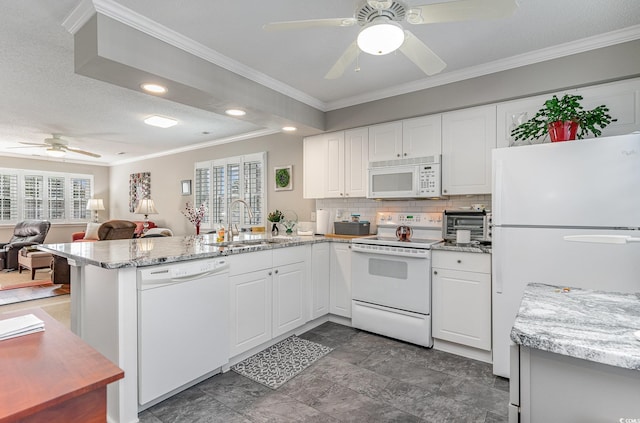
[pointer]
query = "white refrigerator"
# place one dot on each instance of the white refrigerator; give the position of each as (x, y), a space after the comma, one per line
(543, 193)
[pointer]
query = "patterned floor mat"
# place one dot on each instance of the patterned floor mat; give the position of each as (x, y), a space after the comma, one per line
(279, 363)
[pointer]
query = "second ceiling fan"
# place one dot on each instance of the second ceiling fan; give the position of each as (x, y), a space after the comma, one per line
(382, 33)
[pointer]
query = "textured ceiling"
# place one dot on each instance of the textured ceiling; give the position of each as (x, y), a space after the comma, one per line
(41, 94)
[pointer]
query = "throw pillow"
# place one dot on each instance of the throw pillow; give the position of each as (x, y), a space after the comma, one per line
(92, 231)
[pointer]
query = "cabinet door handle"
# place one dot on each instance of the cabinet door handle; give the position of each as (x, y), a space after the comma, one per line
(435, 272)
(398, 154)
(269, 273)
(276, 271)
(459, 261)
(405, 154)
(349, 246)
(444, 190)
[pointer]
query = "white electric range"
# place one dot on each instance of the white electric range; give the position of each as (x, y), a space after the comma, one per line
(391, 279)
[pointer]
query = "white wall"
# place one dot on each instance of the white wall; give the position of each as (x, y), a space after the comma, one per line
(167, 172)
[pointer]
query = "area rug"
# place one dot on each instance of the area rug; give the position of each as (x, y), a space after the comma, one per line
(279, 363)
(14, 280)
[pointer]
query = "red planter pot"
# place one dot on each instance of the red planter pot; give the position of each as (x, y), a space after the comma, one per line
(563, 131)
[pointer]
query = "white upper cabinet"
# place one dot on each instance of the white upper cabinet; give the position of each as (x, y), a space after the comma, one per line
(422, 136)
(356, 153)
(335, 164)
(314, 164)
(385, 141)
(418, 137)
(334, 170)
(468, 136)
(622, 99)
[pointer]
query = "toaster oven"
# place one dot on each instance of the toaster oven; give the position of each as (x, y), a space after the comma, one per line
(477, 222)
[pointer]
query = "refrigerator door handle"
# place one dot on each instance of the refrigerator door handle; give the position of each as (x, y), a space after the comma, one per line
(602, 239)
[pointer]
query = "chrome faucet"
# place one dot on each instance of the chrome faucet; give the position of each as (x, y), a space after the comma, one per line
(229, 232)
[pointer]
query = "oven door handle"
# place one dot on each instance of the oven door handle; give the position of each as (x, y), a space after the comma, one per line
(391, 251)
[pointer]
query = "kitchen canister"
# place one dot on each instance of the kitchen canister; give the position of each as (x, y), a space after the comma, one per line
(322, 222)
(463, 236)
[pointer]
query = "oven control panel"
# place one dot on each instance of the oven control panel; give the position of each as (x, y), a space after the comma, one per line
(433, 220)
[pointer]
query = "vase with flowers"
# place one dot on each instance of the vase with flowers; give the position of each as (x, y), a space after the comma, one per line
(195, 214)
(275, 217)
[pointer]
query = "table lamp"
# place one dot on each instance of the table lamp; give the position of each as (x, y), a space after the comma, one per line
(95, 204)
(146, 207)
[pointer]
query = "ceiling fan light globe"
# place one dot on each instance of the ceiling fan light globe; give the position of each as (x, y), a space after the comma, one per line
(380, 37)
(55, 152)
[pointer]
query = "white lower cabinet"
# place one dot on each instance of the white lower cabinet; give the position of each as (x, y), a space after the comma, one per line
(462, 298)
(320, 277)
(289, 311)
(250, 308)
(340, 279)
(268, 295)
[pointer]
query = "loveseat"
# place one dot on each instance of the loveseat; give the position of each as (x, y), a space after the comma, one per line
(80, 236)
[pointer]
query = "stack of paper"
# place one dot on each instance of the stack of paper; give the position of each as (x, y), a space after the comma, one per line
(21, 325)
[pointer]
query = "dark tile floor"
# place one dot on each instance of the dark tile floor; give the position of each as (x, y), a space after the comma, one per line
(366, 378)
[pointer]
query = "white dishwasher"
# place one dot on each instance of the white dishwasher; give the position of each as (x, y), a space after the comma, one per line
(183, 325)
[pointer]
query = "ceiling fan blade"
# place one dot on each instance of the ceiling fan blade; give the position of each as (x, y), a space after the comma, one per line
(311, 23)
(461, 10)
(86, 153)
(32, 143)
(343, 62)
(421, 55)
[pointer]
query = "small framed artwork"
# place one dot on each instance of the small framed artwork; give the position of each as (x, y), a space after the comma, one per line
(283, 178)
(185, 187)
(139, 188)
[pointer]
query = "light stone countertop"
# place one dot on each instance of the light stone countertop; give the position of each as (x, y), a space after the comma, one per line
(160, 250)
(581, 323)
(466, 248)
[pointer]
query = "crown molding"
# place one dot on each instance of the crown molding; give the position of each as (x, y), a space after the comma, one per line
(79, 16)
(590, 43)
(53, 159)
(226, 140)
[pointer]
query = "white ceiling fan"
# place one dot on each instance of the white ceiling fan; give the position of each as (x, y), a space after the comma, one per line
(381, 32)
(58, 147)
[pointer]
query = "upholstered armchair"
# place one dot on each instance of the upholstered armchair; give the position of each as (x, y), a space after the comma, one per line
(26, 233)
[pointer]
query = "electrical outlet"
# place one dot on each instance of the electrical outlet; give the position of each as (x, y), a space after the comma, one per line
(313, 216)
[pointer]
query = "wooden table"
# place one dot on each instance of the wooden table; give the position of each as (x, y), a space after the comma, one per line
(53, 376)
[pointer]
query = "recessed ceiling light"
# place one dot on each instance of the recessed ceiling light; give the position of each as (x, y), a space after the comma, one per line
(235, 112)
(154, 88)
(160, 122)
(289, 128)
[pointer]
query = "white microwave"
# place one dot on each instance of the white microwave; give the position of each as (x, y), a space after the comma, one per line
(405, 178)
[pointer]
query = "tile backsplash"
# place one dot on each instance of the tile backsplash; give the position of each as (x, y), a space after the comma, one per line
(342, 208)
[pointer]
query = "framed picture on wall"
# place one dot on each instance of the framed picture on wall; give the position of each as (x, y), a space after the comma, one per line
(185, 186)
(283, 178)
(139, 188)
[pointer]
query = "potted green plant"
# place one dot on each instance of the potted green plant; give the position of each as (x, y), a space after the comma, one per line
(560, 118)
(275, 217)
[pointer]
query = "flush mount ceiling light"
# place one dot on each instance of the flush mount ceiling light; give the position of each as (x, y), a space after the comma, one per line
(235, 112)
(289, 128)
(153, 88)
(382, 36)
(160, 122)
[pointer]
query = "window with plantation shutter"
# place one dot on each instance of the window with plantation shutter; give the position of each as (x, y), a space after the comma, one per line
(33, 197)
(55, 196)
(80, 195)
(230, 179)
(8, 197)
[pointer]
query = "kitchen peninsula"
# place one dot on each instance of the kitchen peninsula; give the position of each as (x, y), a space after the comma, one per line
(106, 300)
(577, 356)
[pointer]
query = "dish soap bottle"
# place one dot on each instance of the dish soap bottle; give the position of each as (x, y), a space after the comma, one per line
(220, 234)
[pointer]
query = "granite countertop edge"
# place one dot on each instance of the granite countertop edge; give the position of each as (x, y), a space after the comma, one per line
(132, 253)
(445, 246)
(596, 326)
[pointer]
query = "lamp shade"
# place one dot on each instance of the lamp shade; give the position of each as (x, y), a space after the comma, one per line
(95, 204)
(146, 206)
(381, 36)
